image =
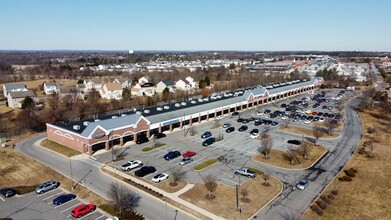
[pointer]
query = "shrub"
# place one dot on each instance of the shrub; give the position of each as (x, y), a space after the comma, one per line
(354, 170)
(205, 164)
(345, 178)
(349, 173)
(362, 150)
(319, 212)
(371, 130)
(316, 209)
(321, 204)
(334, 191)
(325, 199)
(331, 196)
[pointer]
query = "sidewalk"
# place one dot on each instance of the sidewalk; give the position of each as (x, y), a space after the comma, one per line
(173, 196)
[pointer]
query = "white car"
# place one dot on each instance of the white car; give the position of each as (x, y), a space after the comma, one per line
(227, 125)
(160, 177)
(254, 135)
(303, 183)
(284, 117)
(260, 113)
(307, 121)
(131, 165)
(321, 119)
(219, 117)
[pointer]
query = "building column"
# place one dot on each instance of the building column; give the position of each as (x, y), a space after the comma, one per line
(207, 116)
(160, 128)
(148, 134)
(215, 114)
(121, 141)
(181, 124)
(247, 105)
(89, 150)
(135, 137)
(191, 121)
(171, 127)
(107, 145)
(199, 119)
(222, 113)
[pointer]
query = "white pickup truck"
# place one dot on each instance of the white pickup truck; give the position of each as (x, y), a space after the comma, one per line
(245, 172)
(131, 165)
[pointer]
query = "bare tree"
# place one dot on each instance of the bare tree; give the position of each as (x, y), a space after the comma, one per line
(265, 132)
(287, 122)
(122, 198)
(317, 131)
(370, 145)
(266, 178)
(304, 149)
(245, 192)
(216, 123)
(330, 126)
(176, 174)
(289, 155)
(210, 183)
(266, 147)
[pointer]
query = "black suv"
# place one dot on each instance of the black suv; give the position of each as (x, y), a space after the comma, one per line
(143, 171)
(208, 141)
(7, 192)
(243, 128)
(230, 129)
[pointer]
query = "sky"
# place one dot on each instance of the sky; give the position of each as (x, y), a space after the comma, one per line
(245, 25)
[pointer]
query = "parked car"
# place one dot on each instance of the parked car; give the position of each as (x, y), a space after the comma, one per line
(143, 171)
(142, 139)
(206, 134)
(63, 199)
(230, 129)
(240, 120)
(186, 160)
(81, 210)
(245, 172)
(321, 119)
(260, 113)
(243, 128)
(303, 183)
(284, 117)
(208, 141)
(160, 177)
(52, 184)
(320, 113)
(254, 131)
(274, 123)
(227, 125)
(267, 111)
(235, 113)
(131, 164)
(295, 142)
(245, 121)
(7, 192)
(189, 153)
(159, 135)
(307, 121)
(171, 155)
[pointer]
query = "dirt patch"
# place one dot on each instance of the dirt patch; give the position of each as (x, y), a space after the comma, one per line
(224, 203)
(168, 188)
(368, 195)
(28, 173)
(276, 159)
(305, 131)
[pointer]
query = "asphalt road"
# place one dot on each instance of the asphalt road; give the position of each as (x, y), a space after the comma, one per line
(149, 206)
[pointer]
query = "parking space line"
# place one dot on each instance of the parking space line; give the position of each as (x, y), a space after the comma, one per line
(52, 195)
(2, 199)
(88, 214)
(230, 181)
(100, 217)
(45, 193)
(71, 207)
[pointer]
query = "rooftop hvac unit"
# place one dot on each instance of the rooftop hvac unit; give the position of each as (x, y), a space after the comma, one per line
(147, 111)
(166, 107)
(177, 104)
(76, 127)
(183, 103)
(138, 112)
(86, 123)
(159, 108)
(193, 102)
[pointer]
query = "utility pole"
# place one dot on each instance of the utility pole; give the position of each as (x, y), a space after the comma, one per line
(70, 168)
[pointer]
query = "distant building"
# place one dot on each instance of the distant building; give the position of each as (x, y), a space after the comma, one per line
(146, 89)
(93, 84)
(14, 87)
(111, 91)
(144, 79)
(165, 84)
(125, 83)
(15, 99)
(70, 93)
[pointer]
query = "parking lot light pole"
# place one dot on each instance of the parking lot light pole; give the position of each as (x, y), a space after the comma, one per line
(70, 168)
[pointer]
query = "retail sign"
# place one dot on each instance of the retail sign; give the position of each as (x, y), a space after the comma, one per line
(99, 134)
(171, 122)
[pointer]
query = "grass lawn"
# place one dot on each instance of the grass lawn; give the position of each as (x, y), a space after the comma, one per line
(61, 149)
(206, 164)
(23, 173)
(170, 189)
(224, 204)
(276, 159)
(368, 196)
(305, 131)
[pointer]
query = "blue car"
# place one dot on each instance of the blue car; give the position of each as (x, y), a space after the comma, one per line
(63, 199)
(171, 155)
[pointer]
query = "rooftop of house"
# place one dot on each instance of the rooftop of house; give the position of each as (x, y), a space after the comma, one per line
(11, 86)
(21, 94)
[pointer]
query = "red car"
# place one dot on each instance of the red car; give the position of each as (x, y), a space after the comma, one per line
(81, 210)
(189, 153)
(314, 113)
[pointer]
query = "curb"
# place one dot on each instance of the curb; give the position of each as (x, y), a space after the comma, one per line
(205, 167)
(295, 169)
(279, 130)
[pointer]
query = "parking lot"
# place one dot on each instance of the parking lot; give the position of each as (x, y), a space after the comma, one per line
(39, 206)
(237, 148)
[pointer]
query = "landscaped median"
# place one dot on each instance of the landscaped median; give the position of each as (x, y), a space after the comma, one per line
(224, 201)
(276, 158)
(206, 164)
(61, 149)
(306, 132)
(146, 149)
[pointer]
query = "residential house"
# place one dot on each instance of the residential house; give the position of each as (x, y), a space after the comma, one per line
(146, 89)
(144, 79)
(167, 83)
(69, 94)
(14, 87)
(15, 99)
(111, 91)
(183, 84)
(191, 82)
(93, 84)
(50, 87)
(125, 83)
(82, 88)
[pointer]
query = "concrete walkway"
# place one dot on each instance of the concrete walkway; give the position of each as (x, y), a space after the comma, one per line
(173, 196)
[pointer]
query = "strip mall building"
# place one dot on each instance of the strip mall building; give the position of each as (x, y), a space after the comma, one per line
(88, 136)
